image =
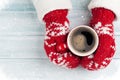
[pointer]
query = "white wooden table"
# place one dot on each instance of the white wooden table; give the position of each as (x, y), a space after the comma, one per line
(22, 55)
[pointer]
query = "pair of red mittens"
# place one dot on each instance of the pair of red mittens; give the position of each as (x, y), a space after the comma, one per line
(57, 28)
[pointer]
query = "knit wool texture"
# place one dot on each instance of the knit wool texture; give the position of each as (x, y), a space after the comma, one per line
(57, 29)
(102, 22)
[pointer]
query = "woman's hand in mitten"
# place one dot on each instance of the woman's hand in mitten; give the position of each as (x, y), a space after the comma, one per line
(102, 23)
(57, 28)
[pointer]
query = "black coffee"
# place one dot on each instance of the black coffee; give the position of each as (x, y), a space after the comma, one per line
(83, 40)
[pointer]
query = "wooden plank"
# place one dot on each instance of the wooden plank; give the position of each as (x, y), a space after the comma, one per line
(42, 69)
(21, 47)
(26, 23)
(29, 47)
(19, 23)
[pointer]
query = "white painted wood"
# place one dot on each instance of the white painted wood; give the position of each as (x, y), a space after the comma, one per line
(29, 47)
(26, 23)
(21, 47)
(42, 69)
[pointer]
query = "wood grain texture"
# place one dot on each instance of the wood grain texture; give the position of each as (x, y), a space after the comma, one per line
(29, 47)
(29, 69)
(22, 55)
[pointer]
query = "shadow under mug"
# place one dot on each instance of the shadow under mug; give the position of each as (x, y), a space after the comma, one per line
(82, 40)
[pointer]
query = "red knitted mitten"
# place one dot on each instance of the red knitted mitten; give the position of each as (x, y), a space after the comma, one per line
(57, 28)
(102, 23)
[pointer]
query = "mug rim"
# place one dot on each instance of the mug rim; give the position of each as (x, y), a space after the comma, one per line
(78, 53)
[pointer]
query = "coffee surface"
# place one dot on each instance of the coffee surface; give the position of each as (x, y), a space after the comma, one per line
(79, 42)
(83, 41)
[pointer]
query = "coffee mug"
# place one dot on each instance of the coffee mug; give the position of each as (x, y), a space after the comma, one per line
(82, 40)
